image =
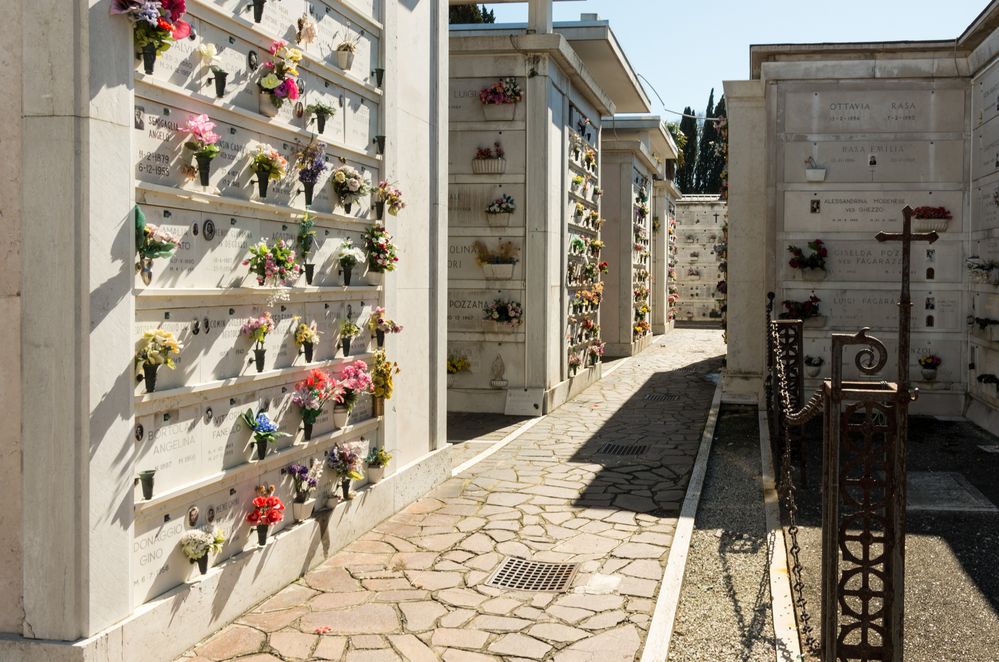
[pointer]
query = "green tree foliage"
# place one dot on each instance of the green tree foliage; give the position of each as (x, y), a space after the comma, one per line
(715, 156)
(685, 172)
(705, 148)
(680, 138)
(470, 14)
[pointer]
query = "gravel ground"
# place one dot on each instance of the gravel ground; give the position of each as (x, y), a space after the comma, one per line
(724, 611)
(952, 583)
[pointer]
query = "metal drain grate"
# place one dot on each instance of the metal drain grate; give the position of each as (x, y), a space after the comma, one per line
(662, 397)
(623, 450)
(523, 575)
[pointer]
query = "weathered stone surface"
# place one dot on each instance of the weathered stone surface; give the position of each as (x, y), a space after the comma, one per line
(460, 638)
(421, 616)
(521, 646)
(233, 641)
(293, 644)
(365, 619)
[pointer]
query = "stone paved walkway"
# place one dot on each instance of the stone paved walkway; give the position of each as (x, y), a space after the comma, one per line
(414, 588)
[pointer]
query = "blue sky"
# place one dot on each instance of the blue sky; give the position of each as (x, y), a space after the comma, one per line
(686, 48)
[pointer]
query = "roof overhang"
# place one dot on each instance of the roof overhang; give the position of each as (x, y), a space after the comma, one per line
(594, 45)
(509, 39)
(661, 142)
(599, 49)
(764, 53)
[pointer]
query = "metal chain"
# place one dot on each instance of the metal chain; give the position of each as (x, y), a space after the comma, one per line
(786, 486)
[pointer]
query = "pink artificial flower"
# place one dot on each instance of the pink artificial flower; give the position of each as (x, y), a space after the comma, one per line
(292, 88)
(181, 30)
(277, 45)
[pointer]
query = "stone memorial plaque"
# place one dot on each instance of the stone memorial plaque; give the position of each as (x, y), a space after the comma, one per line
(158, 142)
(462, 260)
(324, 91)
(463, 99)
(178, 270)
(158, 564)
(463, 145)
(280, 343)
(179, 64)
(227, 242)
(229, 354)
(878, 161)
(873, 262)
(278, 21)
(227, 509)
(226, 439)
(181, 322)
(324, 256)
(481, 356)
(985, 204)
(466, 204)
(362, 411)
(276, 402)
(465, 309)
(985, 150)
(279, 191)
(864, 211)
(323, 314)
(231, 58)
(360, 122)
(849, 310)
(173, 448)
(949, 349)
(986, 95)
(849, 108)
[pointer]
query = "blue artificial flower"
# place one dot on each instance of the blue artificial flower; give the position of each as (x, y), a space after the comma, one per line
(264, 424)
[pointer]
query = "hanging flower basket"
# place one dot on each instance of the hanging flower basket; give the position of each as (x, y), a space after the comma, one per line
(265, 104)
(813, 274)
(499, 112)
(303, 511)
(498, 271)
(344, 59)
(340, 416)
(375, 278)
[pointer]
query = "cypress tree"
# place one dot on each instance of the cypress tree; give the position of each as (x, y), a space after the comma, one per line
(470, 14)
(685, 173)
(709, 134)
(716, 158)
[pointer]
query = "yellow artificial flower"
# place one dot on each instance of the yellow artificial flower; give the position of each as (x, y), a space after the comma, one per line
(269, 82)
(291, 71)
(294, 54)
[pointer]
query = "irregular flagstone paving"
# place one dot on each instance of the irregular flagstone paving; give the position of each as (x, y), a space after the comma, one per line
(414, 588)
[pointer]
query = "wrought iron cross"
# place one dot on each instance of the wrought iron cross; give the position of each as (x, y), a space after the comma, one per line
(907, 236)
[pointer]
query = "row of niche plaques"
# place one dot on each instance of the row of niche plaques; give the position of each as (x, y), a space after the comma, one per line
(161, 159)
(214, 350)
(183, 67)
(212, 249)
(158, 564)
(188, 444)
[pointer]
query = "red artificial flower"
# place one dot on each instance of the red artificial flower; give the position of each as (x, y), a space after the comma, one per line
(253, 518)
(259, 502)
(181, 30)
(165, 24)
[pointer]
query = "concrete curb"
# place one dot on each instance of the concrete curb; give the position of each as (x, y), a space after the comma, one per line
(664, 617)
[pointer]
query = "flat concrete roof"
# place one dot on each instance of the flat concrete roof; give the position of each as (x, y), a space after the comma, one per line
(596, 46)
(983, 25)
(662, 143)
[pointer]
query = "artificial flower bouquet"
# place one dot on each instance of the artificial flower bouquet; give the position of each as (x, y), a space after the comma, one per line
(382, 373)
(154, 349)
(305, 240)
(381, 325)
(345, 51)
(151, 242)
(305, 480)
(382, 253)
(197, 544)
(273, 265)
(457, 363)
(278, 80)
(203, 143)
(801, 310)
(812, 265)
(505, 204)
(928, 365)
(376, 461)
(506, 312)
(504, 91)
(349, 186)
(256, 329)
(489, 160)
(267, 511)
(322, 112)
(265, 431)
(267, 163)
(348, 256)
(388, 197)
(310, 162)
(344, 460)
(350, 382)
(348, 331)
(310, 395)
(306, 337)
(156, 24)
